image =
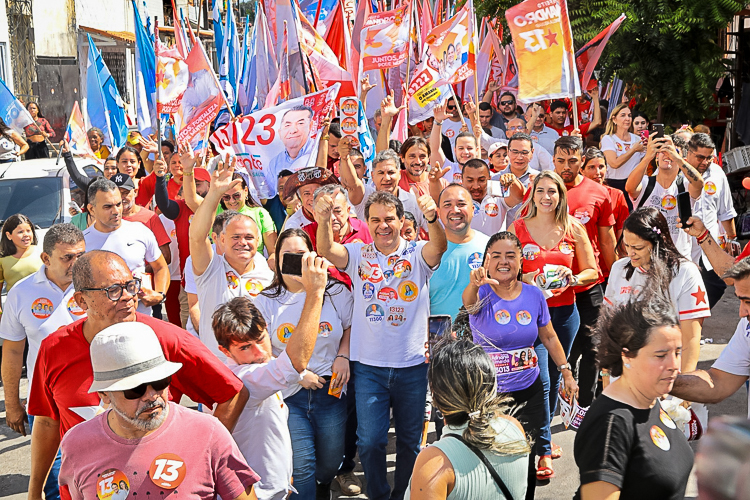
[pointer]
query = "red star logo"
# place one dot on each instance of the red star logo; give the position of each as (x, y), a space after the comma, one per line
(551, 38)
(700, 296)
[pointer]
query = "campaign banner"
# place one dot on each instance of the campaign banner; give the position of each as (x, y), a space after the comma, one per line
(424, 92)
(385, 39)
(202, 98)
(544, 50)
(453, 47)
(171, 78)
(76, 136)
(283, 137)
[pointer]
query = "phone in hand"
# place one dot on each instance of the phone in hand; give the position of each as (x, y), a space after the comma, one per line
(495, 188)
(657, 130)
(437, 326)
(291, 264)
(684, 209)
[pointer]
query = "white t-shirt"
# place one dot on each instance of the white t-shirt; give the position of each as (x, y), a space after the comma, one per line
(34, 308)
(132, 241)
(297, 220)
(451, 129)
(735, 358)
(174, 264)
(714, 205)
(542, 160)
(408, 200)
(282, 314)
(620, 147)
(219, 284)
(262, 430)
(391, 304)
(666, 201)
(489, 215)
(190, 287)
(686, 290)
(525, 180)
(454, 174)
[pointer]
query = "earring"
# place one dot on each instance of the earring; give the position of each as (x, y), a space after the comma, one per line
(627, 365)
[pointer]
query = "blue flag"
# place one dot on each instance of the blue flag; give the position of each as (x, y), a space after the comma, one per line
(145, 77)
(366, 143)
(246, 88)
(218, 28)
(12, 111)
(104, 105)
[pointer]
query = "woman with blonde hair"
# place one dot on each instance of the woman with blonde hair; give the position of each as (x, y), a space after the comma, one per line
(553, 243)
(622, 149)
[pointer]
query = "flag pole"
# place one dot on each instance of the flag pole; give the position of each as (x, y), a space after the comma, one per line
(458, 103)
(200, 12)
(408, 54)
(475, 42)
(317, 14)
(156, 65)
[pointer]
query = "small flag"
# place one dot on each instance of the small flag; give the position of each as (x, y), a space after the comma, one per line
(76, 136)
(171, 78)
(12, 111)
(385, 39)
(588, 55)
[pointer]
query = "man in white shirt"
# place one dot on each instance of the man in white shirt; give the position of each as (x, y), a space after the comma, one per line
(132, 241)
(450, 125)
(389, 330)
(241, 271)
(540, 159)
(518, 165)
(543, 135)
(465, 146)
(485, 117)
(303, 184)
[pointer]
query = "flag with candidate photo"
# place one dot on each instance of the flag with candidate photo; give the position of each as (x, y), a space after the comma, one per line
(384, 39)
(172, 77)
(453, 47)
(76, 136)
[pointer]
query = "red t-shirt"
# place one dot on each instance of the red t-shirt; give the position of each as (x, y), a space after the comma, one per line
(535, 257)
(619, 207)
(359, 232)
(153, 222)
(147, 188)
(63, 373)
(584, 128)
(182, 233)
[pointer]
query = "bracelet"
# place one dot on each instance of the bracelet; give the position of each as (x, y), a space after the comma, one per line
(324, 137)
(187, 174)
(342, 356)
(439, 124)
(433, 220)
(703, 237)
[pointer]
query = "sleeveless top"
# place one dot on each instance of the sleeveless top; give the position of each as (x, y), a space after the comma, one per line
(535, 257)
(473, 480)
(7, 149)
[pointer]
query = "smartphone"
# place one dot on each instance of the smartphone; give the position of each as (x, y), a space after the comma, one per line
(72, 204)
(292, 264)
(683, 208)
(437, 325)
(658, 130)
(495, 188)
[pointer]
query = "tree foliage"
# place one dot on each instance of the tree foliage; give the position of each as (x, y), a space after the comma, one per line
(666, 49)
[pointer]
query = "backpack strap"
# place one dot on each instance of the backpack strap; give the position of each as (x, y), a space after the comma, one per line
(486, 462)
(650, 185)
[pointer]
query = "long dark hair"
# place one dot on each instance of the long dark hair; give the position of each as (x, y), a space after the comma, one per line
(248, 200)
(649, 224)
(7, 247)
(38, 109)
(5, 130)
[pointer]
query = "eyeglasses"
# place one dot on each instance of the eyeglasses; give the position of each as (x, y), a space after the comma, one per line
(138, 392)
(506, 103)
(450, 108)
(524, 152)
(114, 292)
(700, 158)
(235, 197)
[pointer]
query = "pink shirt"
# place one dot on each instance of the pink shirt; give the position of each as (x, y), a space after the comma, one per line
(191, 454)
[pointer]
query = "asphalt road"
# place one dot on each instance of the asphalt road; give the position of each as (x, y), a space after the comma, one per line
(15, 450)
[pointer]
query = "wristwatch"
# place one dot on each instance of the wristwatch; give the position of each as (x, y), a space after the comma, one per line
(566, 366)
(163, 297)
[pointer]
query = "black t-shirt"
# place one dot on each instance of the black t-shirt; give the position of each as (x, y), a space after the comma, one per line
(640, 451)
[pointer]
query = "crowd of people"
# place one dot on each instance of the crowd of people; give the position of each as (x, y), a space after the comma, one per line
(300, 325)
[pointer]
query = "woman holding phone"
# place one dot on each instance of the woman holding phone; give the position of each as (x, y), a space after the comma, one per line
(317, 419)
(621, 147)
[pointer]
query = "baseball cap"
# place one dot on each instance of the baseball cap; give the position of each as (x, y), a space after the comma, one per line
(201, 174)
(310, 175)
(495, 146)
(123, 181)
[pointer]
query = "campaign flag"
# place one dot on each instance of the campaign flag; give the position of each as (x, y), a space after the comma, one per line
(145, 77)
(246, 89)
(588, 55)
(338, 37)
(485, 58)
(364, 9)
(325, 17)
(76, 136)
(366, 141)
(426, 24)
(452, 46)
(544, 50)
(277, 138)
(104, 105)
(324, 61)
(179, 34)
(171, 78)
(218, 28)
(265, 59)
(229, 66)
(12, 111)
(425, 90)
(281, 89)
(385, 38)
(286, 13)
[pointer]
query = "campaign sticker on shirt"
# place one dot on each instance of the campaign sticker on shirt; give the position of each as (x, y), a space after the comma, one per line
(565, 248)
(457, 178)
(232, 280)
(710, 188)
(368, 290)
(190, 219)
(396, 316)
(449, 133)
(530, 251)
(666, 419)
(368, 252)
(475, 260)
(491, 209)
(284, 332)
(502, 316)
(659, 438)
(41, 308)
(387, 294)
(411, 248)
(167, 471)
(374, 313)
(408, 291)
(388, 275)
(513, 361)
(523, 317)
(668, 202)
(392, 260)
(477, 208)
(402, 269)
(582, 215)
(74, 309)
(324, 329)
(112, 484)
(253, 287)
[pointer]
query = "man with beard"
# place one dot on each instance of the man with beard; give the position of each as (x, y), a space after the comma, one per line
(415, 155)
(132, 376)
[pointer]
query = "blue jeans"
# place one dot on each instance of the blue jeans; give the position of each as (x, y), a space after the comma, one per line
(51, 487)
(565, 320)
(316, 426)
(379, 389)
(350, 434)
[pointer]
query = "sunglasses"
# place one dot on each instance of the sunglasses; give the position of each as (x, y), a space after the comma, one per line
(450, 108)
(138, 392)
(235, 197)
(506, 103)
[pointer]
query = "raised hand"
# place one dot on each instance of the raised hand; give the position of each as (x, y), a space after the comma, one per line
(388, 108)
(428, 206)
(160, 167)
(323, 208)
(150, 146)
(314, 273)
(480, 277)
(507, 179)
(366, 86)
(440, 112)
(187, 157)
(436, 173)
(65, 146)
(221, 179)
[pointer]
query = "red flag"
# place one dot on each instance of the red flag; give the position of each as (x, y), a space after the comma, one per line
(588, 55)
(426, 25)
(335, 36)
(179, 34)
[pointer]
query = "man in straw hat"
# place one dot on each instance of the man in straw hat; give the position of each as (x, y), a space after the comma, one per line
(139, 445)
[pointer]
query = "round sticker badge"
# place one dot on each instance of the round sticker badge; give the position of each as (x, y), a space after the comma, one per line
(475, 260)
(710, 188)
(523, 317)
(112, 484)
(377, 274)
(387, 295)
(457, 178)
(408, 291)
(374, 313)
(565, 248)
(167, 471)
(396, 316)
(368, 290)
(253, 287)
(491, 209)
(41, 308)
(530, 251)
(583, 216)
(402, 269)
(74, 309)
(392, 260)
(502, 316)
(284, 332)
(324, 329)
(668, 202)
(659, 438)
(232, 281)
(666, 419)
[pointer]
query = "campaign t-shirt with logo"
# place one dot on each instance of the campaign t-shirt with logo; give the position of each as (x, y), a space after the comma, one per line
(174, 263)
(686, 290)
(97, 463)
(408, 200)
(34, 308)
(455, 172)
(507, 331)
(282, 314)
(526, 179)
(489, 215)
(448, 282)
(666, 201)
(219, 284)
(391, 304)
(613, 143)
(714, 206)
(451, 129)
(63, 373)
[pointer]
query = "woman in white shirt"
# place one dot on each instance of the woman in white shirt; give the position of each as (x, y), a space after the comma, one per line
(648, 244)
(622, 149)
(316, 419)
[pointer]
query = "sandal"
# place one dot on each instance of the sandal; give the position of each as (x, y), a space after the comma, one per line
(557, 451)
(544, 473)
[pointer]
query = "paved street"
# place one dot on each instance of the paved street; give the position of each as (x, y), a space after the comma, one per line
(15, 450)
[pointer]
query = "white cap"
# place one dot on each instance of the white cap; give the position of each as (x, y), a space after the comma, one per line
(495, 146)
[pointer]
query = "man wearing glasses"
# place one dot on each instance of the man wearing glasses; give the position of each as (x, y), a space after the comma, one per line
(139, 444)
(520, 152)
(506, 107)
(540, 159)
(543, 135)
(107, 292)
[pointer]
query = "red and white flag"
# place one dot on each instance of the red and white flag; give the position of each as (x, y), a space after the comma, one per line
(172, 78)
(385, 39)
(588, 55)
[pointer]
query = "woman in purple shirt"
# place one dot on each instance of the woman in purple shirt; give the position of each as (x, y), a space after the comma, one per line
(506, 318)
